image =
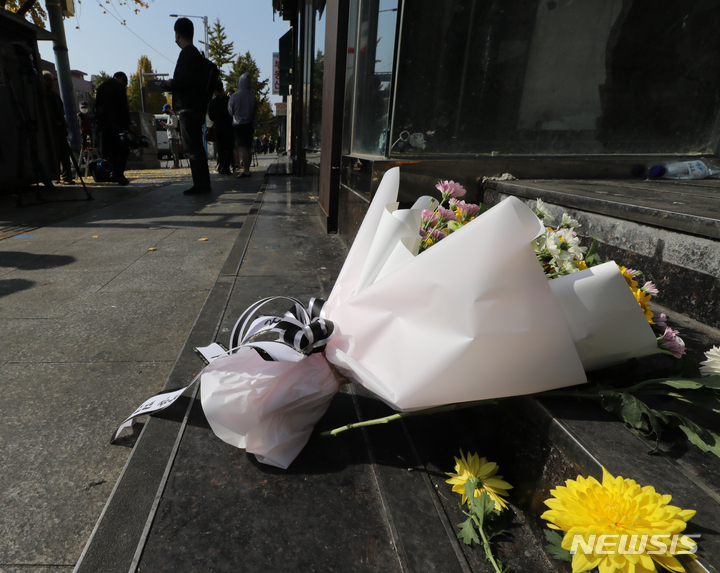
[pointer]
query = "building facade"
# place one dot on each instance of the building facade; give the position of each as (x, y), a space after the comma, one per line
(464, 89)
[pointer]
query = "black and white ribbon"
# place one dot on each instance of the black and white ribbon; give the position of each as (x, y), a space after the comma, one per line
(301, 331)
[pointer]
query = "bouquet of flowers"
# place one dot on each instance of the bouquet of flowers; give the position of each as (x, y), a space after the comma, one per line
(412, 323)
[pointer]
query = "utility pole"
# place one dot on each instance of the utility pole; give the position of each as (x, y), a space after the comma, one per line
(55, 18)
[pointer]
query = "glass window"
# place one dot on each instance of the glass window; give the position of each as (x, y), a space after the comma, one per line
(550, 77)
(372, 56)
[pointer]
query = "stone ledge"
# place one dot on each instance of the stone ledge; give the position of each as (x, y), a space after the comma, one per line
(691, 207)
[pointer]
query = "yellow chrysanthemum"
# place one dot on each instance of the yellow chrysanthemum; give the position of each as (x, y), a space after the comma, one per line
(629, 278)
(582, 265)
(625, 512)
(485, 471)
(643, 299)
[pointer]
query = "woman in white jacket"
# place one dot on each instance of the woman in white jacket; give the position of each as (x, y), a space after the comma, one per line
(242, 107)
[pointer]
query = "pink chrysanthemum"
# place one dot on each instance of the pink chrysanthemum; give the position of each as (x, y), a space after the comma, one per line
(446, 214)
(650, 288)
(671, 342)
(437, 235)
(468, 209)
(450, 189)
(430, 216)
(660, 321)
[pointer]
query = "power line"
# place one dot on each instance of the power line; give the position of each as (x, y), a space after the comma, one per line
(124, 24)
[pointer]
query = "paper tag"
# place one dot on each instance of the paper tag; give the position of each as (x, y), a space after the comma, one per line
(209, 353)
(152, 405)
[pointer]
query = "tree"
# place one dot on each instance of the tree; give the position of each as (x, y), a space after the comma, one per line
(153, 101)
(38, 16)
(36, 13)
(100, 78)
(220, 51)
(246, 64)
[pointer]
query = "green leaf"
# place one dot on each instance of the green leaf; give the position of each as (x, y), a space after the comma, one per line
(635, 412)
(703, 398)
(591, 257)
(629, 409)
(467, 532)
(710, 382)
(559, 553)
(682, 384)
(555, 549)
(703, 438)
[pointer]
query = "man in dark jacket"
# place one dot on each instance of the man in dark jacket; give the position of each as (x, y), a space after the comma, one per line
(113, 118)
(222, 125)
(190, 104)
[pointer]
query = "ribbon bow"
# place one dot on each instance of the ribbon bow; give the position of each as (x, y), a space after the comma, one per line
(301, 331)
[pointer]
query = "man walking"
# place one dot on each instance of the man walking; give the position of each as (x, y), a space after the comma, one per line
(113, 118)
(189, 101)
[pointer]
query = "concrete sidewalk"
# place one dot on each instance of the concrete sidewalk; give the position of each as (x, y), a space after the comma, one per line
(96, 302)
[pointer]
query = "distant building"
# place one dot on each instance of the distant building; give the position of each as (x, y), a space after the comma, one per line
(82, 88)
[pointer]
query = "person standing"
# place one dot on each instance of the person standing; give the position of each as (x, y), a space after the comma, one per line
(173, 130)
(191, 105)
(222, 126)
(113, 118)
(242, 106)
(59, 128)
(83, 119)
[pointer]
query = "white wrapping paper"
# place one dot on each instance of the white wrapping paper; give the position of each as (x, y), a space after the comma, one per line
(268, 408)
(471, 318)
(604, 317)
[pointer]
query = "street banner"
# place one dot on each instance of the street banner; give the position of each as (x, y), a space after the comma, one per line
(276, 73)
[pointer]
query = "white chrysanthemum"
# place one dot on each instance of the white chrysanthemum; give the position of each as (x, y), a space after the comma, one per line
(565, 266)
(711, 366)
(568, 222)
(553, 245)
(542, 212)
(573, 245)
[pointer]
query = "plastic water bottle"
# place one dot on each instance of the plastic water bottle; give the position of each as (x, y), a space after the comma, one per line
(695, 169)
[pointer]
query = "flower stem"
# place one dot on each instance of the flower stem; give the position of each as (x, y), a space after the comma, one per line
(393, 417)
(488, 551)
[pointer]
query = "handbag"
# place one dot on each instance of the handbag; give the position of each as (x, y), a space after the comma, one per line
(210, 133)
